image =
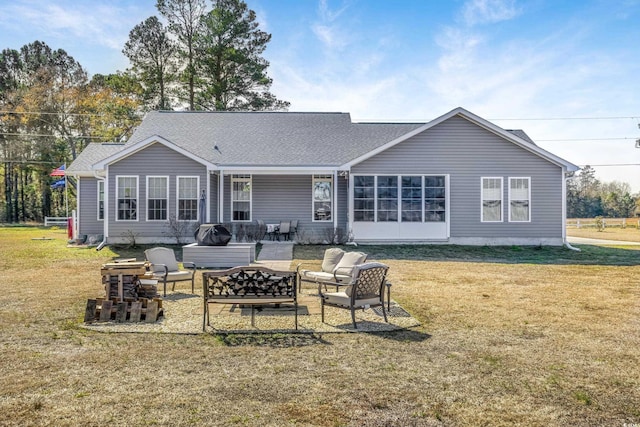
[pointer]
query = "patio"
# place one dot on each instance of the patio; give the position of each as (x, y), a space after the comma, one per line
(183, 310)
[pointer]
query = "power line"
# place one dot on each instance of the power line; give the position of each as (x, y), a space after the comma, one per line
(49, 135)
(585, 139)
(575, 118)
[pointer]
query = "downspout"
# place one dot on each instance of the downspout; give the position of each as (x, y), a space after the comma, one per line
(564, 212)
(105, 224)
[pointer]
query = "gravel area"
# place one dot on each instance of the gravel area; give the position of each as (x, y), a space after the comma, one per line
(183, 315)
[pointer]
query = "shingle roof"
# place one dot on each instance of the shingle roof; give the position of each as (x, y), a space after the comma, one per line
(260, 138)
(94, 152)
(270, 138)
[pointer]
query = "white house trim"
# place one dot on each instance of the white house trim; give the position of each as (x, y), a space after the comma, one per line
(461, 112)
(141, 145)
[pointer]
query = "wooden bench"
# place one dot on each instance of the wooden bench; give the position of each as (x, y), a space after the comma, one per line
(251, 285)
(231, 255)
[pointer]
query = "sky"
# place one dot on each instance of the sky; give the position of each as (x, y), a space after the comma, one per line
(567, 72)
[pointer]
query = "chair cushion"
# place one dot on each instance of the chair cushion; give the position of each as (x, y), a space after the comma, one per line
(179, 275)
(317, 276)
(348, 261)
(342, 299)
(332, 257)
(162, 256)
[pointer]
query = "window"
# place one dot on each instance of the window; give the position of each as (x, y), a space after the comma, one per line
(411, 199)
(491, 200)
(387, 199)
(157, 198)
(100, 200)
(435, 199)
(241, 197)
(322, 197)
(391, 198)
(364, 198)
(127, 195)
(519, 199)
(188, 198)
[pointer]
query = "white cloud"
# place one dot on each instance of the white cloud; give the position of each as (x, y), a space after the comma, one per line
(476, 12)
(328, 30)
(95, 22)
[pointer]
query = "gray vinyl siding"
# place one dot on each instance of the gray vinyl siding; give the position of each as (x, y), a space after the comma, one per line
(88, 207)
(155, 160)
(278, 198)
(467, 152)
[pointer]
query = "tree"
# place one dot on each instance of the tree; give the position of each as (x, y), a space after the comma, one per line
(184, 18)
(152, 55)
(232, 71)
(114, 102)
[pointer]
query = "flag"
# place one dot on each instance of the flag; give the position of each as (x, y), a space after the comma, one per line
(59, 184)
(58, 171)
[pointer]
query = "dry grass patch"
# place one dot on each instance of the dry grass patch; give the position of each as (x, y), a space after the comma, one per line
(629, 234)
(511, 336)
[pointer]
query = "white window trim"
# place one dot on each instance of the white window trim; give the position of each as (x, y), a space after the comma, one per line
(166, 177)
(236, 178)
(482, 198)
(137, 178)
(197, 177)
(313, 200)
(100, 183)
(399, 198)
(528, 179)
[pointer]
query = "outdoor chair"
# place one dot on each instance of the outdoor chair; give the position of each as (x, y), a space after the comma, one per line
(165, 268)
(261, 231)
(365, 290)
(283, 230)
(337, 267)
(293, 230)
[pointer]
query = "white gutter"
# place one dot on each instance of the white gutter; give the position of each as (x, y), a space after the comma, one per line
(105, 224)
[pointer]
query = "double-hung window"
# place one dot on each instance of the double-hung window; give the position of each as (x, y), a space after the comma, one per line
(322, 197)
(412, 199)
(387, 199)
(127, 198)
(188, 187)
(100, 200)
(157, 198)
(519, 199)
(364, 198)
(241, 197)
(491, 199)
(435, 198)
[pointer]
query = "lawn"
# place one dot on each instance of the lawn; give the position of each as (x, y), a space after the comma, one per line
(630, 234)
(510, 335)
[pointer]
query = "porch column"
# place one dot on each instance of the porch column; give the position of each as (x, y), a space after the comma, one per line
(335, 201)
(221, 197)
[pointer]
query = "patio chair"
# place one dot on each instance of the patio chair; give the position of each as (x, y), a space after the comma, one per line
(261, 231)
(365, 290)
(293, 230)
(165, 268)
(283, 230)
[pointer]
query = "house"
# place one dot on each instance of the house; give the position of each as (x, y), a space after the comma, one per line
(457, 179)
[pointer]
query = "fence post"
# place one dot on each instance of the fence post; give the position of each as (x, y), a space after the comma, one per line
(578, 223)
